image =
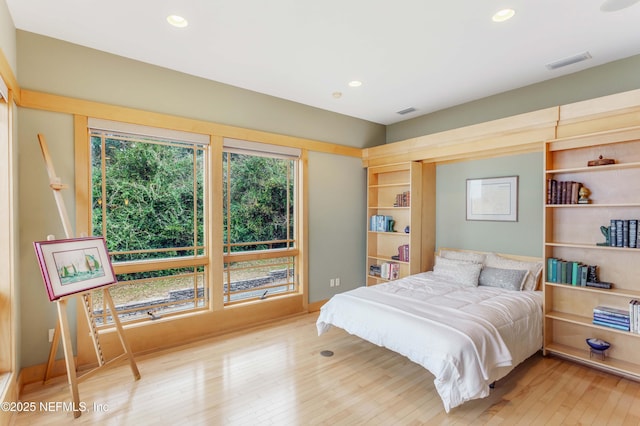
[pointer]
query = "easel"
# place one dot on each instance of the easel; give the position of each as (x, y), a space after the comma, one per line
(62, 326)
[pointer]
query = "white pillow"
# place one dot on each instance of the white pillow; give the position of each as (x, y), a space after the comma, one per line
(463, 255)
(510, 279)
(458, 271)
(535, 268)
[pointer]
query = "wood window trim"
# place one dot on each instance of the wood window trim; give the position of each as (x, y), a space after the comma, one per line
(217, 317)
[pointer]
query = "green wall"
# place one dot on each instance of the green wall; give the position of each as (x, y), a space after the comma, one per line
(614, 77)
(337, 203)
(336, 184)
(523, 237)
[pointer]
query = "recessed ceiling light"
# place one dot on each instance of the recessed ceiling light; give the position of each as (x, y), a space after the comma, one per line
(355, 83)
(177, 21)
(337, 95)
(503, 15)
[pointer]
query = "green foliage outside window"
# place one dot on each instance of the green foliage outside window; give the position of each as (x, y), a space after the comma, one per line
(260, 208)
(150, 198)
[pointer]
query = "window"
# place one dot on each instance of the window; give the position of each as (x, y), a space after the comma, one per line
(259, 215)
(148, 201)
(7, 243)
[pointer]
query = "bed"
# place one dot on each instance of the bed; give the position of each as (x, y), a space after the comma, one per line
(470, 321)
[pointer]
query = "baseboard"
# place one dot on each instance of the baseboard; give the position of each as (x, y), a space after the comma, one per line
(315, 306)
(35, 373)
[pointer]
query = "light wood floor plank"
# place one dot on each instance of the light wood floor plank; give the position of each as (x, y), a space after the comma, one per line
(275, 375)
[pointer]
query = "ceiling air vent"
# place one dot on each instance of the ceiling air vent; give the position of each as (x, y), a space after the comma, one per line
(569, 60)
(406, 111)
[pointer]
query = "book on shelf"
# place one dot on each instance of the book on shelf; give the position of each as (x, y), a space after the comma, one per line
(386, 270)
(612, 317)
(611, 312)
(563, 192)
(611, 325)
(566, 272)
(403, 199)
(599, 284)
(381, 223)
(374, 270)
(634, 316)
(624, 233)
(403, 253)
(390, 270)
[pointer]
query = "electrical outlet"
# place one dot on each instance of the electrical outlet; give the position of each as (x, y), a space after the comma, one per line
(337, 282)
(332, 282)
(51, 331)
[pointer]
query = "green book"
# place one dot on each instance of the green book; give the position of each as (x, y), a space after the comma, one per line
(563, 272)
(575, 275)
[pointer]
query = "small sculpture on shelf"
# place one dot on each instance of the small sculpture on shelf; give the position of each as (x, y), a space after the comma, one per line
(601, 161)
(592, 278)
(391, 225)
(583, 195)
(606, 231)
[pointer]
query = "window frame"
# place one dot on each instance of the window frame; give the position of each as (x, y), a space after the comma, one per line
(219, 318)
(7, 245)
(196, 142)
(243, 147)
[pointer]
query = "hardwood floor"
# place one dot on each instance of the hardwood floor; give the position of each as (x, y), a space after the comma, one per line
(275, 375)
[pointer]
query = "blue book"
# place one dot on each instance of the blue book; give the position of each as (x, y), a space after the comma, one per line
(550, 262)
(554, 270)
(611, 325)
(575, 276)
(613, 320)
(613, 312)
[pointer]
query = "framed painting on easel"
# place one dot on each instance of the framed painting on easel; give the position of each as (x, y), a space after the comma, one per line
(74, 265)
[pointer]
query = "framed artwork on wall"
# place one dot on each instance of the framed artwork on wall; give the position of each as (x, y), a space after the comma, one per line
(494, 199)
(74, 265)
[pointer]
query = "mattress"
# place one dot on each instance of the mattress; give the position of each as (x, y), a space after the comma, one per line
(467, 337)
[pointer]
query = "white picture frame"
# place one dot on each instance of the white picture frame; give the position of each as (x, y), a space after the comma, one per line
(493, 199)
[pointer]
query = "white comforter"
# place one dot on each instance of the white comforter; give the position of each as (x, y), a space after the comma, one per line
(467, 337)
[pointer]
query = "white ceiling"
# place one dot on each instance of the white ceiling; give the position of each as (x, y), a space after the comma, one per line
(408, 53)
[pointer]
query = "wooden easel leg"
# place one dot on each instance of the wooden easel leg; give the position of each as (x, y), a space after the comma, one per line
(123, 340)
(52, 353)
(92, 327)
(68, 356)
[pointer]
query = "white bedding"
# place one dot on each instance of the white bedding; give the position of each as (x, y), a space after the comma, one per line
(467, 337)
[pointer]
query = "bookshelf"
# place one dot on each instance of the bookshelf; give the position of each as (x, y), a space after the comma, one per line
(572, 232)
(404, 193)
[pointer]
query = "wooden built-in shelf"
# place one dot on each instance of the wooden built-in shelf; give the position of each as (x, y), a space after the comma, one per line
(592, 205)
(608, 167)
(631, 294)
(621, 367)
(587, 321)
(606, 137)
(388, 208)
(385, 183)
(401, 234)
(390, 185)
(387, 259)
(614, 190)
(590, 246)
